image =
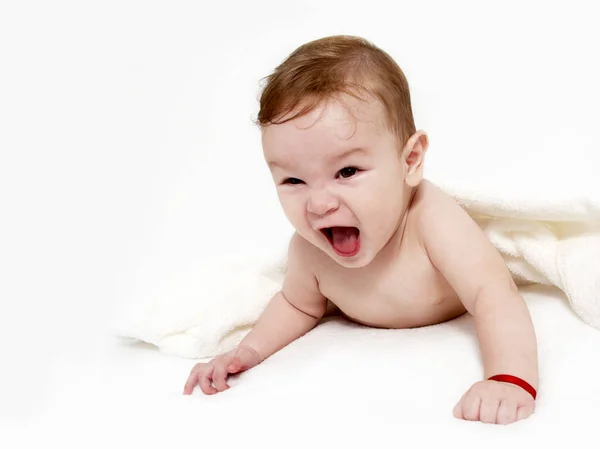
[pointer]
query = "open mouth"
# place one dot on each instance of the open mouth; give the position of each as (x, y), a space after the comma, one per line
(345, 240)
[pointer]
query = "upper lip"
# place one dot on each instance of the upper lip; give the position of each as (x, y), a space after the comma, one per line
(326, 230)
(321, 228)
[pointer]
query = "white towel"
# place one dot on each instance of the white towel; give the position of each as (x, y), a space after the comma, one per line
(547, 234)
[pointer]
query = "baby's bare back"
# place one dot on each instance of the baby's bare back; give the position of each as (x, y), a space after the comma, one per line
(400, 289)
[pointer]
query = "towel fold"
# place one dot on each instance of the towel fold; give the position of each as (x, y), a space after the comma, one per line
(547, 234)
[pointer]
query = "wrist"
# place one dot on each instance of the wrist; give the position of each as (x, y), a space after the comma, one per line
(253, 350)
(508, 378)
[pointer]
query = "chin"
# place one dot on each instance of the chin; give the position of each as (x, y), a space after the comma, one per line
(357, 262)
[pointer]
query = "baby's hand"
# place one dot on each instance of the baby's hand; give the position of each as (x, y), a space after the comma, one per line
(216, 371)
(494, 402)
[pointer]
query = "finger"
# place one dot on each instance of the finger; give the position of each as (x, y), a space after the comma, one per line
(192, 381)
(489, 410)
(205, 379)
(457, 410)
(471, 408)
(220, 376)
(524, 411)
(507, 412)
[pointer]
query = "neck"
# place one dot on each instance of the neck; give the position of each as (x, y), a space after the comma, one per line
(392, 247)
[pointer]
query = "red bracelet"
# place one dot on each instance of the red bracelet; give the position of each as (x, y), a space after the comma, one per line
(516, 381)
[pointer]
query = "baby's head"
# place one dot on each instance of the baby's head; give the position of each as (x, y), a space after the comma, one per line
(339, 137)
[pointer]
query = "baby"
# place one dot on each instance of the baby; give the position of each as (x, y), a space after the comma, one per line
(387, 247)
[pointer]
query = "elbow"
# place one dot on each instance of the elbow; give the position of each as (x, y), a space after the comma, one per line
(494, 293)
(313, 312)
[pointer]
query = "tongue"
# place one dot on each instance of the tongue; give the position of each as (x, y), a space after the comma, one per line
(345, 240)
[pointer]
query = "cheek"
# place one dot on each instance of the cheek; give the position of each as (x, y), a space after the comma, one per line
(293, 208)
(381, 202)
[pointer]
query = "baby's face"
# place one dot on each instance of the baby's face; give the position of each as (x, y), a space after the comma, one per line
(339, 178)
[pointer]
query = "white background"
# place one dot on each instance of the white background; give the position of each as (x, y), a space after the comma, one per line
(127, 148)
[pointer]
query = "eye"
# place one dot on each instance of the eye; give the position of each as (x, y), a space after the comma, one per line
(348, 172)
(293, 181)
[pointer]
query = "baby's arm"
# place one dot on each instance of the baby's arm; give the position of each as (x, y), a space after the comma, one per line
(291, 313)
(458, 248)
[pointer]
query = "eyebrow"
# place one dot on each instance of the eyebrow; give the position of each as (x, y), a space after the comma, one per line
(345, 154)
(337, 157)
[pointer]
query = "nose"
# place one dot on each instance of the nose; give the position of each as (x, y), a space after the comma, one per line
(322, 202)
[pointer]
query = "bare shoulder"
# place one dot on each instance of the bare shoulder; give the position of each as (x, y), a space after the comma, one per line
(456, 245)
(302, 255)
(439, 219)
(300, 286)
(432, 205)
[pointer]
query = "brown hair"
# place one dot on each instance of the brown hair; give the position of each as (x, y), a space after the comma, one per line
(324, 68)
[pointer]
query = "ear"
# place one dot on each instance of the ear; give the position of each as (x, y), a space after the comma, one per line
(413, 155)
